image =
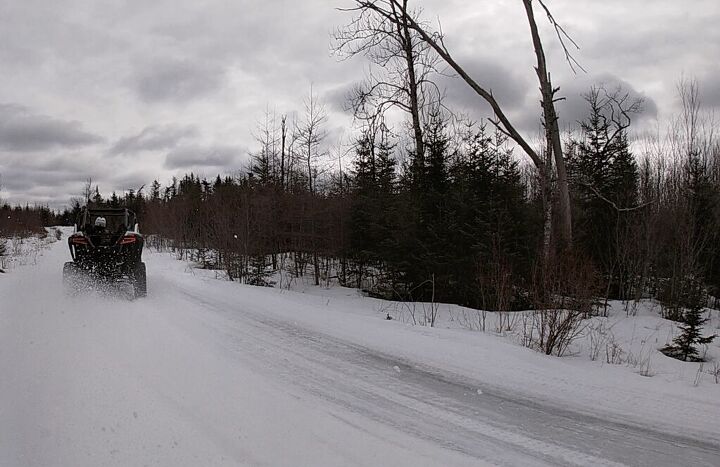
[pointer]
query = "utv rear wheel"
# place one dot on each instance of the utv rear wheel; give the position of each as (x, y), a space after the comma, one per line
(140, 281)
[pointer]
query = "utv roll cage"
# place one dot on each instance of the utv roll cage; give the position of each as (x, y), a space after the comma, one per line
(122, 219)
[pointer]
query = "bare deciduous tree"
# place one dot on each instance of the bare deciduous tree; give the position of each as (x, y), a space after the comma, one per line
(310, 134)
(404, 63)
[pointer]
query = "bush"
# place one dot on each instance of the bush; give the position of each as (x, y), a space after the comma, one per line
(564, 295)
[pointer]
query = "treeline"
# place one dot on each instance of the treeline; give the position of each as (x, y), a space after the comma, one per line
(463, 223)
(428, 230)
(24, 220)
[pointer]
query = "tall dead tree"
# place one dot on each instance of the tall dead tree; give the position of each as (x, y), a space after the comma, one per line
(396, 12)
(283, 140)
(404, 65)
(550, 118)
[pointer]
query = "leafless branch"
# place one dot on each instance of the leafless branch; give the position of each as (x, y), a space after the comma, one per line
(563, 36)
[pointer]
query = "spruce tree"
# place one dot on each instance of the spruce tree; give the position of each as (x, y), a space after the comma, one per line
(97, 199)
(684, 345)
(362, 240)
(431, 257)
(258, 273)
(604, 181)
(155, 191)
(372, 221)
(260, 166)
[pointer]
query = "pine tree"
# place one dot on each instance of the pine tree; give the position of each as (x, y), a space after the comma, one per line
(97, 199)
(623, 180)
(155, 191)
(362, 240)
(260, 166)
(493, 222)
(604, 180)
(428, 253)
(258, 273)
(372, 219)
(683, 347)
(74, 214)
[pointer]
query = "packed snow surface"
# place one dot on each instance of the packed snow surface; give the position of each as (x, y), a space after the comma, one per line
(205, 372)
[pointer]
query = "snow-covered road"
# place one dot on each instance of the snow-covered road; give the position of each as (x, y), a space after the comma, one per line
(205, 373)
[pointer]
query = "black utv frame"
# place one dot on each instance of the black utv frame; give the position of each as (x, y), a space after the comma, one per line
(109, 254)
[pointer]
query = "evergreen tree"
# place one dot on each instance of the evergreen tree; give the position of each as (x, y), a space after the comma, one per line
(75, 211)
(155, 191)
(683, 347)
(386, 226)
(363, 242)
(258, 273)
(97, 199)
(260, 166)
(623, 180)
(493, 223)
(429, 256)
(372, 221)
(604, 181)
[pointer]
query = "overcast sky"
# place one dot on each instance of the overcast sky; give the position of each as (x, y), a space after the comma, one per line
(128, 91)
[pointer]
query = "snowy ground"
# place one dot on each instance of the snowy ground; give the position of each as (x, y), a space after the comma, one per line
(23, 251)
(207, 372)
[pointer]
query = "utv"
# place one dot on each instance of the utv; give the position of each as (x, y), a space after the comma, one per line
(106, 249)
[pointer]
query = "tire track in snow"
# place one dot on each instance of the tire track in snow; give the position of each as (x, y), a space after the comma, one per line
(441, 408)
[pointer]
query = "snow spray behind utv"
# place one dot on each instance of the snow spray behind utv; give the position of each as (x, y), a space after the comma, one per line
(106, 249)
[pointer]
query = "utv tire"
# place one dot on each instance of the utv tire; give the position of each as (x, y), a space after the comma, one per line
(140, 281)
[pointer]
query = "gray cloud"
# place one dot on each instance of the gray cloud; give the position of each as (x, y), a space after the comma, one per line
(632, 44)
(507, 87)
(710, 91)
(219, 156)
(24, 131)
(132, 180)
(575, 108)
(177, 80)
(35, 180)
(337, 98)
(45, 169)
(24, 179)
(153, 138)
